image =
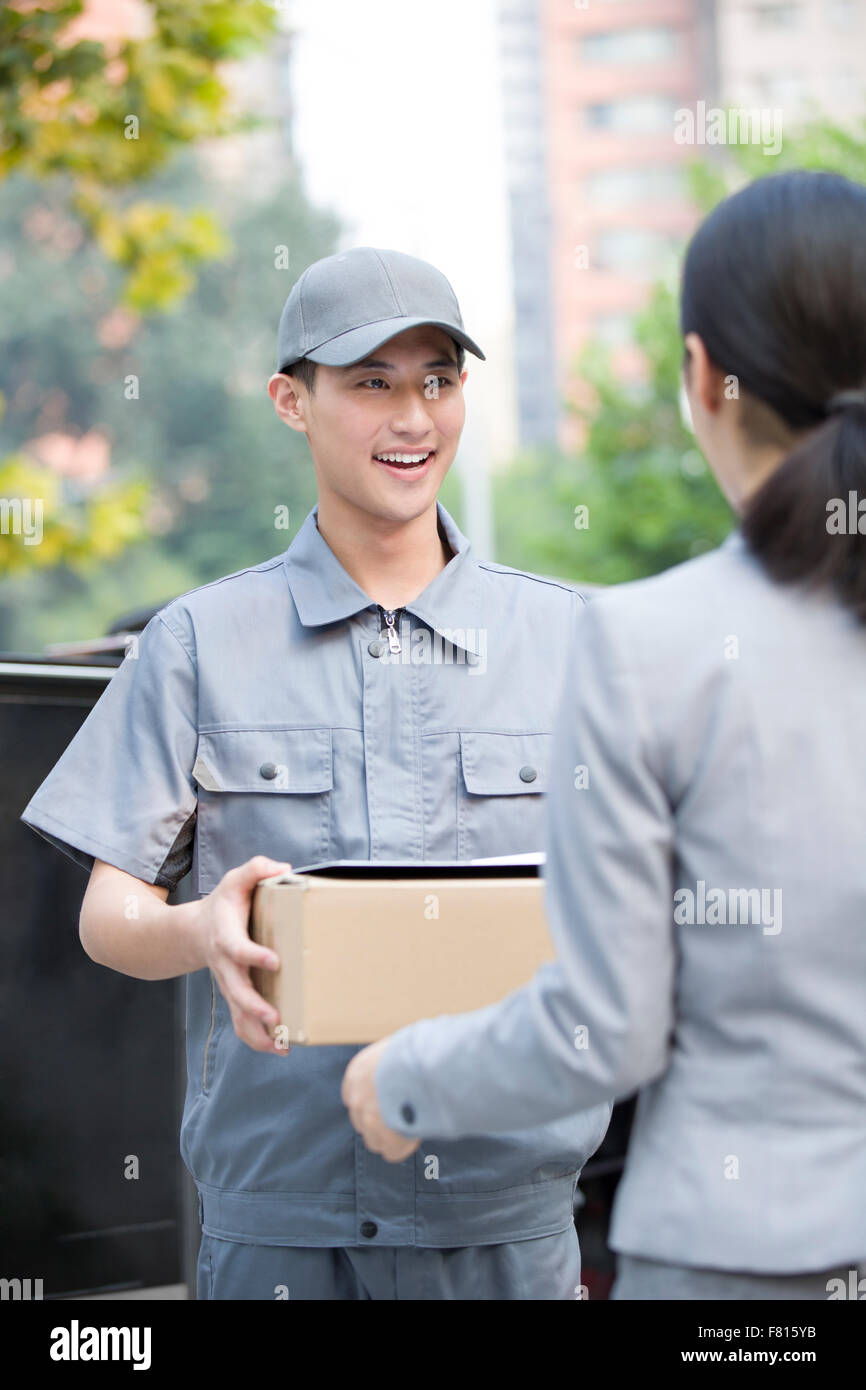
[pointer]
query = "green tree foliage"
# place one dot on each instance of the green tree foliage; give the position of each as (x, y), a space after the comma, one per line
(140, 306)
(220, 467)
(638, 498)
(92, 118)
(108, 114)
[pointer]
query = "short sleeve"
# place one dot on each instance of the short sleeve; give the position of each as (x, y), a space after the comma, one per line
(123, 789)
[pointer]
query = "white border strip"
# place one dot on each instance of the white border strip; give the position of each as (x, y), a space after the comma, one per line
(23, 668)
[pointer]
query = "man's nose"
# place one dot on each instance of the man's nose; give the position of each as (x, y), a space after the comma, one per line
(412, 415)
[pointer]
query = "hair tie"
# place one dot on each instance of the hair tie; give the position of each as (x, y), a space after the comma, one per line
(843, 400)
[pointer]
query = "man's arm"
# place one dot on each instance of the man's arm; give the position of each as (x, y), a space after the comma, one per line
(126, 924)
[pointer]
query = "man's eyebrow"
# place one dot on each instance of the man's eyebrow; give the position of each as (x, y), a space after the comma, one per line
(389, 366)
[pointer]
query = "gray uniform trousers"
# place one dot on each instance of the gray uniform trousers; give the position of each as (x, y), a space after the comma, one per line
(547, 1267)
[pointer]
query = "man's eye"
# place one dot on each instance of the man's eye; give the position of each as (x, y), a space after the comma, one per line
(374, 380)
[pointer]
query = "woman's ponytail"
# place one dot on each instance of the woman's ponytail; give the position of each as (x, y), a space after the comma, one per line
(808, 521)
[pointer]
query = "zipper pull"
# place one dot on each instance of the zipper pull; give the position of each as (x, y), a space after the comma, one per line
(390, 618)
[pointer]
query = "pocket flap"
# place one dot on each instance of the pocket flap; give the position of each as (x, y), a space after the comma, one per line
(271, 760)
(493, 763)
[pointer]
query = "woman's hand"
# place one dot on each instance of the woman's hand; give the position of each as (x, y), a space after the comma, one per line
(358, 1094)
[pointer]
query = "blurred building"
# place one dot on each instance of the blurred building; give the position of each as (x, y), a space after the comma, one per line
(594, 92)
(257, 161)
(798, 55)
(529, 187)
(617, 73)
(597, 194)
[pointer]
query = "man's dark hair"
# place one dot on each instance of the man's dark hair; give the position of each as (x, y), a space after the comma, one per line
(305, 371)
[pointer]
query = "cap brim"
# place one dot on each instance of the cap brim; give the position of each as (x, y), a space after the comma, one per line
(358, 343)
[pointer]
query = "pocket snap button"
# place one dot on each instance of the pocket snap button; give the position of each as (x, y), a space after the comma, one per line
(268, 770)
(528, 774)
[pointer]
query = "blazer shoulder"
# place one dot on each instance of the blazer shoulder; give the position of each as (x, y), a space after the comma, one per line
(657, 624)
(685, 585)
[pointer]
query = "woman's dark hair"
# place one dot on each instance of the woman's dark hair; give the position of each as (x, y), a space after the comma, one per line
(305, 371)
(774, 283)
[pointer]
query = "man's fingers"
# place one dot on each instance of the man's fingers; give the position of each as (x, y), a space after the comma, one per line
(252, 1029)
(243, 999)
(252, 1032)
(247, 953)
(245, 877)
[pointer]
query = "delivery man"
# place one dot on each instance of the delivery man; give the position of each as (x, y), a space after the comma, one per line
(374, 692)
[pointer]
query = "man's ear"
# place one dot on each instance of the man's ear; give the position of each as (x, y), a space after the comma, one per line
(289, 401)
(463, 375)
(705, 380)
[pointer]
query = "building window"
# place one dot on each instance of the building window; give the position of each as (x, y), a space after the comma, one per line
(842, 13)
(782, 89)
(629, 46)
(620, 187)
(631, 250)
(640, 115)
(784, 16)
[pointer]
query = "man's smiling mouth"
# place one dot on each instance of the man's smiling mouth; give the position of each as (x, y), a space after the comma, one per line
(407, 460)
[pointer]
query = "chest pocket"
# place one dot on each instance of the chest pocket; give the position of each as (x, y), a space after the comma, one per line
(500, 801)
(264, 790)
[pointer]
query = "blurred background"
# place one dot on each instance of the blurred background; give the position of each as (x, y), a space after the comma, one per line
(168, 168)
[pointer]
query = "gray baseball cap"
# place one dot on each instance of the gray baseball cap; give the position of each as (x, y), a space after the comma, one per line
(345, 306)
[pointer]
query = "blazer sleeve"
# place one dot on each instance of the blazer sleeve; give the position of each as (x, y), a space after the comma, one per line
(595, 1023)
(123, 790)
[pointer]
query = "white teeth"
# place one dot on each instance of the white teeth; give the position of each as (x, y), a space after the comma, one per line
(402, 458)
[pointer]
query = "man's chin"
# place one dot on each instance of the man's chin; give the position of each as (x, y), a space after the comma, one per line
(405, 509)
(405, 503)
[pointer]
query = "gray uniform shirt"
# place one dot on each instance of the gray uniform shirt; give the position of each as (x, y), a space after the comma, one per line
(706, 887)
(265, 714)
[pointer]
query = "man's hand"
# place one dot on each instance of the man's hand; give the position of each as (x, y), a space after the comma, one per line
(358, 1094)
(229, 951)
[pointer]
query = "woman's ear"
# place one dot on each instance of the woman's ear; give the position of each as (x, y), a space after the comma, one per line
(705, 383)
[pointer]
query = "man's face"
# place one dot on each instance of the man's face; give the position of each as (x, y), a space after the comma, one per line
(405, 399)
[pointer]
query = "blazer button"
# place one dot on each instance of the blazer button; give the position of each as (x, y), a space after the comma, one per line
(528, 774)
(268, 770)
(408, 1113)
(376, 648)
(369, 1229)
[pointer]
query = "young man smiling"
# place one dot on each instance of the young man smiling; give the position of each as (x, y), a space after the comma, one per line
(265, 720)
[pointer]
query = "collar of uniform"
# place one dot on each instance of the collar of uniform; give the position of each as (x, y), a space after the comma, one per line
(324, 592)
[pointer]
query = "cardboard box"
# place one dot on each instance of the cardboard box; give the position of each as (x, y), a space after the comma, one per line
(368, 947)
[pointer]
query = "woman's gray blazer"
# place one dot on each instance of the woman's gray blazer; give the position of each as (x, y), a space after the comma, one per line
(706, 888)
